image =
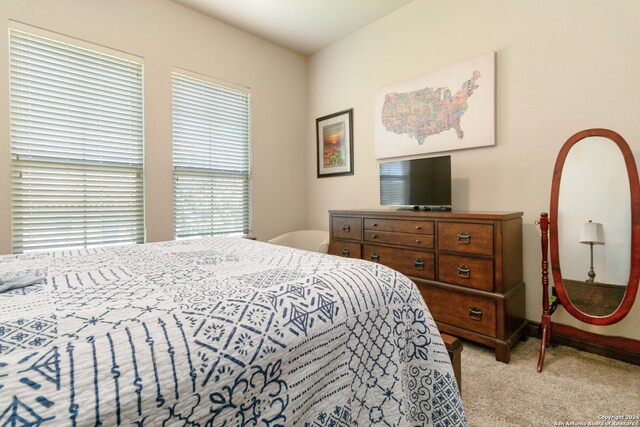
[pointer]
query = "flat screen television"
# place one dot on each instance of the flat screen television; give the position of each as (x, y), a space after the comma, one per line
(417, 183)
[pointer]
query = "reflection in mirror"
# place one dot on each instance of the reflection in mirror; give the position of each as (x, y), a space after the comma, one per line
(594, 226)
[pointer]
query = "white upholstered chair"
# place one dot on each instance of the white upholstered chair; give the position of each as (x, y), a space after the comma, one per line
(309, 240)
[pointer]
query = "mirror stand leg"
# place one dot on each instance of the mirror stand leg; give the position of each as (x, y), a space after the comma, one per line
(545, 338)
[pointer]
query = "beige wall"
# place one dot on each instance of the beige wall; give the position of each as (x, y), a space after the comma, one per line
(167, 35)
(562, 66)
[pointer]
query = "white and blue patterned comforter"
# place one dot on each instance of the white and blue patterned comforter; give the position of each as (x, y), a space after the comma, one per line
(218, 332)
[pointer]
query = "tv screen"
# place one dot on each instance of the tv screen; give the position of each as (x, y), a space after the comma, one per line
(418, 182)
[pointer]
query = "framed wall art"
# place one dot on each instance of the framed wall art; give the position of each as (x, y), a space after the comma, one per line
(334, 134)
(450, 108)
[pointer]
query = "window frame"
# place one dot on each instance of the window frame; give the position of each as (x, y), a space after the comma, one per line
(228, 86)
(135, 166)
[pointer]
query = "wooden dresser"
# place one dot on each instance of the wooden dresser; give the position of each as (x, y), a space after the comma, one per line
(468, 266)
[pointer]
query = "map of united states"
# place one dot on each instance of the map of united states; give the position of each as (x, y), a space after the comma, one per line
(427, 111)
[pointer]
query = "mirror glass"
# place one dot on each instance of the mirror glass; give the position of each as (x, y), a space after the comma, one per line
(594, 226)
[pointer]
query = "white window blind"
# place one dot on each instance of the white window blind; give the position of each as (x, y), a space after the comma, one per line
(76, 146)
(211, 142)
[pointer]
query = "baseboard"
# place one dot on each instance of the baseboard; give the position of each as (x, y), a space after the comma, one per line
(619, 348)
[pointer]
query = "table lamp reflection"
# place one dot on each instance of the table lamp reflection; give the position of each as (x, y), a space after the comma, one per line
(591, 233)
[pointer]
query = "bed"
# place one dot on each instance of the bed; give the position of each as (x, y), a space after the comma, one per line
(218, 332)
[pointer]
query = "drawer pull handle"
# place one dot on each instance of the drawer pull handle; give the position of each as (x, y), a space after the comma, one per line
(375, 256)
(374, 236)
(475, 313)
(464, 272)
(464, 238)
(418, 227)
(419, 264)
(417, 241)
(346, 228)
(374, 224)
(345, 252)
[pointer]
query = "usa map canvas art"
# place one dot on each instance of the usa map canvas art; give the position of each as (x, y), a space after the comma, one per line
(450, 108)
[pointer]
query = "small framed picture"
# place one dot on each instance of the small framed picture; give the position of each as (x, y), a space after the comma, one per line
(335, 144)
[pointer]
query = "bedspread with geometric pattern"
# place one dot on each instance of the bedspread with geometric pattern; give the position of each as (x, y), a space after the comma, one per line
(218, 332)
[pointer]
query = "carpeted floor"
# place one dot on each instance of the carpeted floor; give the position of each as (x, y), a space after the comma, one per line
(574, 387)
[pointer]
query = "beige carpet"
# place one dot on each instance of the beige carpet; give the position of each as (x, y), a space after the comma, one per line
(573, 387)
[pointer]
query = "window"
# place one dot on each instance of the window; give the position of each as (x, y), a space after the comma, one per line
(211, 137)
(76, 146)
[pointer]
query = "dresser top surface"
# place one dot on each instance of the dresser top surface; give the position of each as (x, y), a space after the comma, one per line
(411, 214)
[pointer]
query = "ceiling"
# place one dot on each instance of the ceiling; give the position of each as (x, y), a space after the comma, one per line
(304, 26)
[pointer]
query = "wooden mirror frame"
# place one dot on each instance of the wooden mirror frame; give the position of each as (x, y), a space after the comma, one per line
(634, 187)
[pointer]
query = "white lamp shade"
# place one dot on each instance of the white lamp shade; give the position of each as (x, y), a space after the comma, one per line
(591, 232)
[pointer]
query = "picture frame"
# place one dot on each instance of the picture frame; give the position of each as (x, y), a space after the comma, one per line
(446, 109)
(334, 144)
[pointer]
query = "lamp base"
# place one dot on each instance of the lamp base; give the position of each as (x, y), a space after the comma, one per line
(591, 273)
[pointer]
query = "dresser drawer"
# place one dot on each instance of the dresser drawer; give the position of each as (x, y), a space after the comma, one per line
(345, 249)
(346, 228)
(464, 311)
(418, 227)
(408, 262)
(466, 271)
(468, 238)
(403, 239)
